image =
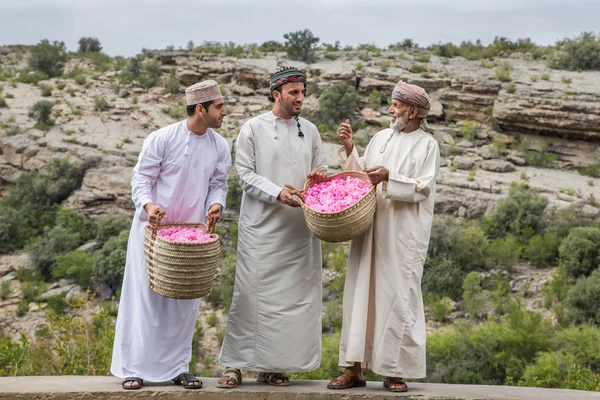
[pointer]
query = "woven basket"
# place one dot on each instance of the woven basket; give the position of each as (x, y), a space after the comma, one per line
(181, 270)
(345, 224)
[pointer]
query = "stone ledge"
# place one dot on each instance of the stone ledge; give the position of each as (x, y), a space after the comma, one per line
(102, 387)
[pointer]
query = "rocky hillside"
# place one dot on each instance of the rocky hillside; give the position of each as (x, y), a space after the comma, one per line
(497, 121)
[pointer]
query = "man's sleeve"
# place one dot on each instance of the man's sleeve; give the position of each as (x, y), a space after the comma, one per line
(146, 172)
(414, 190)
(253, 184)
(217, 186)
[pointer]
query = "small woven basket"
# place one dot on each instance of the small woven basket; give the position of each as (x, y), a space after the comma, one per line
(345, 224)
(181, 270)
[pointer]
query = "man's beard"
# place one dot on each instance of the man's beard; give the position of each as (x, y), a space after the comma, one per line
(400, 124)
(289, 108)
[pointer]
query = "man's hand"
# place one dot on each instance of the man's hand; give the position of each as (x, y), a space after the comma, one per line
(316, 174)
(213, 215)
(286, 196)
(344, 134)
(378, 174)
(155, 213)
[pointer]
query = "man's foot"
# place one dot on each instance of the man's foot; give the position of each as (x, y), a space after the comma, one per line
(273, 378)
(132, 383)
(395, 384)
(347, 379)
(188, 381)
(230, 378)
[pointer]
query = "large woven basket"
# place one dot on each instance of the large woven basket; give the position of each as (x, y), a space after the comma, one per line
(181, 270)
(345, 224)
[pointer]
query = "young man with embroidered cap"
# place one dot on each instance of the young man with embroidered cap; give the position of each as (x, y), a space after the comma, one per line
(181, 175)
(384, 322)
(274, 322)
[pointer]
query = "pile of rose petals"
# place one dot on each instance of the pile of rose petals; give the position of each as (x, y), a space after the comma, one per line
(336, 194)
(184, 235)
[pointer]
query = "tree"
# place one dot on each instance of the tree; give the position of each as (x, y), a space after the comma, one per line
(48, 57)
(300, 45)
(41, 112)
(580, 251)
(89, 45)
(337, 103)
(583, 299)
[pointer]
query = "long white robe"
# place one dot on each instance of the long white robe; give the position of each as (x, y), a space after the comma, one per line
(384, 321)
(185, 174)
(275, 317)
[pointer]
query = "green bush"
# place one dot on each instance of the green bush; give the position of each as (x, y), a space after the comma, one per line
(542, 250)
(89, 45)
(75, 222)
(48, 58)
(473, 295)
(592, 170)
(109, 261)
(3, 103)
(111, 226)
(101, 104)
(375, 99)
(5, 290)
(471, 248)
(520, 213)
(583, 299)
(12, 232)
(300, 45)
(222, 291)
(504, 251)
(57, 303)
(580, 251)
(502, 73)
(580, 53)
(445, 234)
(53, 242)
(41, 112)
(469, 129)
(234, 194)
(549, 371)
(443, 278)
(76, 265)
(172, 84)
(212, 320)
(337, 103)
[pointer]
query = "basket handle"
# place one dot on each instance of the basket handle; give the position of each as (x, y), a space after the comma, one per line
(290, 187)
(155, 226)
(210, 227)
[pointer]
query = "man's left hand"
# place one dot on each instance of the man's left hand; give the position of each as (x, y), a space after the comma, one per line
(214, 213)
(377, 174)
(317, 174)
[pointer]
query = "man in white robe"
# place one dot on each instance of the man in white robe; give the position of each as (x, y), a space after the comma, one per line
(181, 175)
(383, 317)
(274, 322)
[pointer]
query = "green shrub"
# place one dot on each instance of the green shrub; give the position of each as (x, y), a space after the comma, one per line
(332, 318)
(212, 320)
(580, 251)
(542, 250)
(541, 158)
(503, 252)
(46, 90)
(41, 112)
(234, 194)
(111, 226)
(375, 99)
(222, 291)
(76, 265)
(422, 58)
(300, 45)
(75, 222)
(101, 104)
(172, 84)
(469, 129)
(359, 66)
(89, 45)
(471, 248)
(5, 290)
(337, 103)
(3, 103)
(583, 299)
(591, 170)
(580, 53)
(80, 79)
(22, 308)
(109, 261)
(443, 241)
(549, 371)
(54, 242)
(502, 73)
(418, 68)
(384, 64)
(520, 213)
(57, 303)
(150, 73)
(48, 58)
(12, 234)
(443, 278)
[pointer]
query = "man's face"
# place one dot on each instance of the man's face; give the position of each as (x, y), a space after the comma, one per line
(216, 113)
(401, 115)
(292, 97)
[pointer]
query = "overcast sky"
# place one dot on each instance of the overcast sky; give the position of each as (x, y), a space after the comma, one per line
(124, 27)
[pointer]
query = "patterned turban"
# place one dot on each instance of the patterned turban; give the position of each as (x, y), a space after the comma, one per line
(414, 95)
(286, 75)
(202, 92)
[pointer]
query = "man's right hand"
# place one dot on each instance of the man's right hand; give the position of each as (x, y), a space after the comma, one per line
(286, 196)
(344, 134)
(154, 212)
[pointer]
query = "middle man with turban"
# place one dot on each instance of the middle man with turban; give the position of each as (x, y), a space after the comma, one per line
(274, 322)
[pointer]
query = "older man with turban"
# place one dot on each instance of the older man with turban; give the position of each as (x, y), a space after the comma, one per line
(274, 322)
(384, 322)
(181, 175)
